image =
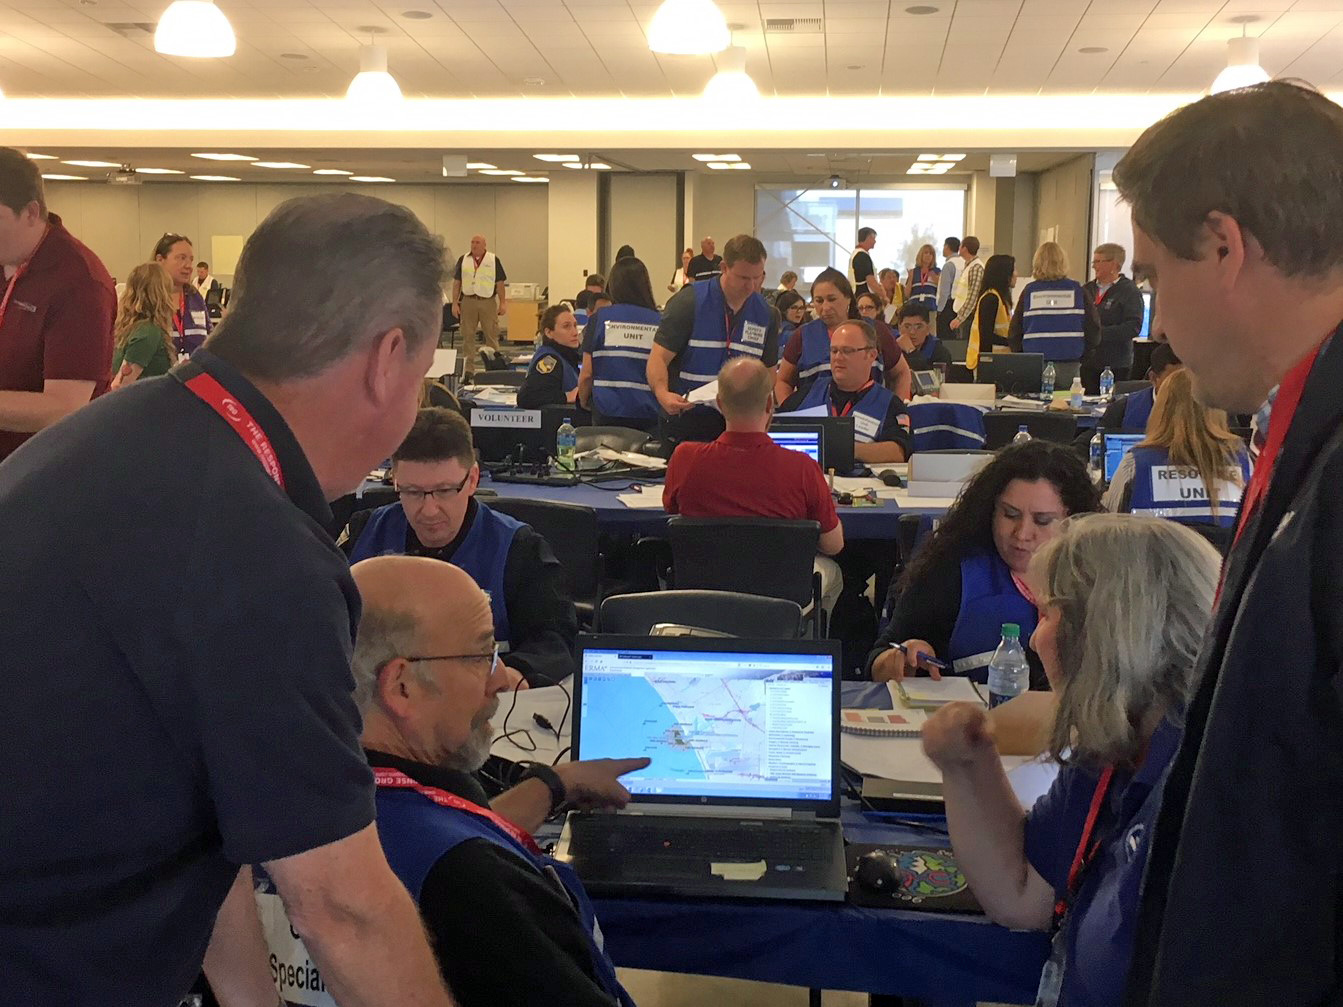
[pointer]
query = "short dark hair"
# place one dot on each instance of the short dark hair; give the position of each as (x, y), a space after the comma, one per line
(744, 248)
(874, 298)
(601, 295)
(630, 283)
(1163, 357)
(595, 280)
(165, 244)
(913, 309)
(20, 181)
(970, 244)
(624, 252)
(840, 282)
(787, 299)
(552, 315)
(199, 265)
(953, 243)
(998, 276)
(1267, 155)
(438, 435)
(866, 232)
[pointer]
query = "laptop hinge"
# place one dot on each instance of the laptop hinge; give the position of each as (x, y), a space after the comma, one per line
(710, 811)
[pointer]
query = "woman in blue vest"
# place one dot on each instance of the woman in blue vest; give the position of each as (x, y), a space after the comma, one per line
(921, 281)
(1053, 315)
(793, 310)
(614, 379)
(1190, 468)
(552, 376)
(965, 581)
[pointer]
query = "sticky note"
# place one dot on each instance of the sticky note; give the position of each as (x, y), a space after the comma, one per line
(738, 871)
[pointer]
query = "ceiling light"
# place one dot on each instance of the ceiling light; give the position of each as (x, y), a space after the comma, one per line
(730, 166)
(416, 15)
(720, 157)
(953, 157)
(277, 164)
(531, 178)
(731, 83)
(534, 81)
(1242, 66)
(1092, 50)
(225, 157)
(941, 168)
(215, 178)
(921, 10)
(478, 166)
(93, 164)
(557, 158)
(332, 171)
(158, 171)
(595, 165)
(919, 168)
(42, 157)
(929, 157)
(499, 171)
(371, 178)
(373, 85)
(688, 28)
(65, 178)
(195, 28)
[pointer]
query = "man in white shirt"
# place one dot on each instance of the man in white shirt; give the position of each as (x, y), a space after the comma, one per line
(478, 299)
(946, 283)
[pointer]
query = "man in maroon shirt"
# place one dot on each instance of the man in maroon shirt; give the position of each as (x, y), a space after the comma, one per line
(56, 314)
(745, 474)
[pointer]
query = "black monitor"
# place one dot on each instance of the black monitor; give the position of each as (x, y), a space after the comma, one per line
(523, 436)
(837, 437)
(1012, 373)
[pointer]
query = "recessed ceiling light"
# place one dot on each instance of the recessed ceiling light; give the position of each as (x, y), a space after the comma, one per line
(370, 29)
(479, 166)
(499, 171)
(716, 157)
(929, 157)
(158, 171)
(215, 178)
(940, 168)
(953, 157)
(65, 178)
(855, 66)
(534, 81)
(730, 165)
(595, 165)
(921, 9)
(225, 157)
(43, 157)
(531, 178)
(278, 164)
(332, 171)
(92, 164)
(371, 178)
(416, 15)
(297, 56)
(557, 158)
(1091, 50)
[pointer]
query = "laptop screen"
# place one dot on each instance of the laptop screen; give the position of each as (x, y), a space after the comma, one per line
(717, 722)
(804, 439)
(1116, 447)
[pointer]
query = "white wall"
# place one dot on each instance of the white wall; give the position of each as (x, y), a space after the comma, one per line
(723, 207)
(642, 213)
(122, 223)
(1063, 207)
(572, 252)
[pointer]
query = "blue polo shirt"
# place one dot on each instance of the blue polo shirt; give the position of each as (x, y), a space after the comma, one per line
(1102, 918)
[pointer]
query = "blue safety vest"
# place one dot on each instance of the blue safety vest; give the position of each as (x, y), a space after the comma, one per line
(483, 553)
(622, 338)
(946, 426)
(415, 833)
(191, 327)
(711, 345)
(1161, 489)
(570, 372)
(989, 598)
(924, 290)
(1138, 408)
(1053, 315)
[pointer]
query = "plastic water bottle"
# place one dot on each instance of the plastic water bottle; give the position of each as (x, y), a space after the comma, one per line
(1023, 435)
(1075, 394)
(1009, 674)
(566, 444)
(1107, 384)
(1047, 381)
(1097, 465)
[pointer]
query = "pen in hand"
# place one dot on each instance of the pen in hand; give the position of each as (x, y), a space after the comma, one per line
(919, 657)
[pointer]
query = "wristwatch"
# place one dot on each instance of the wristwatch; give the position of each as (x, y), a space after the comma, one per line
(547, 775)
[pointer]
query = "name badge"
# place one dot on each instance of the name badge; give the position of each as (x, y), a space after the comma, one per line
(527, 419)
(198, 318)
(1052, 300)
(630, 335)
(292, 969)
(753, 334)
(866, 426)
(1173, 484)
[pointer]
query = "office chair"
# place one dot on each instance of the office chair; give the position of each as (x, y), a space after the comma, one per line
(731, 612)
(571, 531)
(1129, 387)
(1001, 426)
(618, 438)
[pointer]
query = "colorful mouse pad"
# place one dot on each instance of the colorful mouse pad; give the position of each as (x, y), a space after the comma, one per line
(930, 881)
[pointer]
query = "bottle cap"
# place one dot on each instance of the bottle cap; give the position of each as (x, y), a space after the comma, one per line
(1011, 631)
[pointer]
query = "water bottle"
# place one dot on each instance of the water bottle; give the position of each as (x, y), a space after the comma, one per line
(1023, 435)
(566, 443)
(1075, 394)
(1097, 465)
(1009, 674)
(1107, 384)
(1047, 381)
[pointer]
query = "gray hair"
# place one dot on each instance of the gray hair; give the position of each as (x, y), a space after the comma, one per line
(1113, 253)
(384, 634)
(1135, 596)
(322, 277)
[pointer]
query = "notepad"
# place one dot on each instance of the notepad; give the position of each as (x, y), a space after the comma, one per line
(883, 723)
(932, 694)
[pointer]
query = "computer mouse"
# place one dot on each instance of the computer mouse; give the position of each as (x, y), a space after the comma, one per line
(878, 872)
(891, 478)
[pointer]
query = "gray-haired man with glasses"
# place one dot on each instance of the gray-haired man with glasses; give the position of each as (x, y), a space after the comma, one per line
(438, 516)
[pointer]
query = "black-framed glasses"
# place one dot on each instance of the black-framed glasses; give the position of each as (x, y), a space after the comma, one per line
(847, 351)
(415, 496)
(492, 657)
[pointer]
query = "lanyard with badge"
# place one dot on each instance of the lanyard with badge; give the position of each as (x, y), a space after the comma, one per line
(392, 779)
(217, 397)
(14, 280)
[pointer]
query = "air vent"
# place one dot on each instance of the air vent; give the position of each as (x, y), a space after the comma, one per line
(793, 26)
(131, 27)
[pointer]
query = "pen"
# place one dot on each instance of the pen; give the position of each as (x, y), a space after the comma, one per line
(927, 659)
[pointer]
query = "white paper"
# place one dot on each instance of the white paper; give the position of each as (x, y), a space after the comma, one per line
(493, 395)
(907, 501)
(445, 362)
(633, 458)
(1026, 405)
(810, 411)
(856, 484)
(947, 689)
(1031, 780)
(704, 394)
(644, 498)
(902, 759)
(549, 701)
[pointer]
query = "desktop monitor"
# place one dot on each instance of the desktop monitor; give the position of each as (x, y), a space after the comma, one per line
(809, 439)
(1117, 445)
(836, 437)
(526, 436)
(1012, 373)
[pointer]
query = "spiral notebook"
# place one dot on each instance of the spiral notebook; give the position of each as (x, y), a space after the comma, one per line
(882, 723)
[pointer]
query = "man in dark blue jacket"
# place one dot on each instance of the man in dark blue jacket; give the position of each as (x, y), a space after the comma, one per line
(1235, 208)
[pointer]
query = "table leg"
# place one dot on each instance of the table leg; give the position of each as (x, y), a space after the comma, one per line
(813, 998)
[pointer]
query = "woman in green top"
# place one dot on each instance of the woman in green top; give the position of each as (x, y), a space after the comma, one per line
(143, 331)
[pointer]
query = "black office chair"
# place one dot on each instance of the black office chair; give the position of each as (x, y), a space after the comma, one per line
(957, 348)
(571, 531)
(748, 615)
(344, 507)
(1129, 387)
(508, 379)
(749, 555)
(618, 438)
(1001, 426)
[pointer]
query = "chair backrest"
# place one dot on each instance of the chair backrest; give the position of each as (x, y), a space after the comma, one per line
(1001, 426)
(571, 531)
(958, 348)
(618, 438)
(747, 615)
(350, 503)
(745, 554)
(508, 379)
(1129, 387)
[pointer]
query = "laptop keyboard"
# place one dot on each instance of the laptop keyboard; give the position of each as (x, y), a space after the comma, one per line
(700, 838)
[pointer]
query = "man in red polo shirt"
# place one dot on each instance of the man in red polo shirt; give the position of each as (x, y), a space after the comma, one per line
(745, 474)
(56, 314)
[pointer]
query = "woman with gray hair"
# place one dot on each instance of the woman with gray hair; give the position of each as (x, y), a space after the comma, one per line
(1124, 603)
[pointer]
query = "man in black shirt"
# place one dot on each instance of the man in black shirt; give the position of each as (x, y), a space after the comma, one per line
(436, 475)
(593, 285)
(1120, 305)
(706, 264)
(177, 630)
(862, 274)
(505, 917)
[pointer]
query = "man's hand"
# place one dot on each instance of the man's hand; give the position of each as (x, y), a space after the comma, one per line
(456, 309)
(503, 309)
(673, 404)
(514, 678)
(895, 664)
(595, 783)
(959, 734)
(955, 324)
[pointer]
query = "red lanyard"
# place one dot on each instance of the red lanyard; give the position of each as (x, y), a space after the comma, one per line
(848, 406)
(182, 314)
(217, 397)
(1086, 849)
(1100, 294)
(727, 325)
(392, 778)
(14, 280)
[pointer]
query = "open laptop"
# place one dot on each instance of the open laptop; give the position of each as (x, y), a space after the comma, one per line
(806, 438)
(837, 437)
(742, 797)
(1117, 445)
(1012, 373)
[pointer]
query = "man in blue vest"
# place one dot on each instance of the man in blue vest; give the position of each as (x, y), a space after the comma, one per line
(703, 326)
(923, 349)
(436, 476)
(1130, 412)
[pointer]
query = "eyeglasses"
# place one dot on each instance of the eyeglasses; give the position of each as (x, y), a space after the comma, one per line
(848, 351)
(414, 496)
(492, 657)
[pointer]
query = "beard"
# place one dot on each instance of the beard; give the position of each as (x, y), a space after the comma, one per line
(471, 755)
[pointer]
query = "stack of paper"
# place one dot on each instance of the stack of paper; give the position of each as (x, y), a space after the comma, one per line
(704, 395)
(644, 498)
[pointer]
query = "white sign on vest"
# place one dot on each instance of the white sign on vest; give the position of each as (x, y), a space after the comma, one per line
(1052, 300)
(753, 334)
(866, 426)
(291, 967)
(634, 335)
(527, 419)
(1174, 484)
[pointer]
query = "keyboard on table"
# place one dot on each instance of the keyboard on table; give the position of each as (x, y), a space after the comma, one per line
(606, 835)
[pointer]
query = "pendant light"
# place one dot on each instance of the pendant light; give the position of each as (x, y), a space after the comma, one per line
(1242, 65)
(731, 83)
(688, 28)
(195, 28)
(373, 85)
